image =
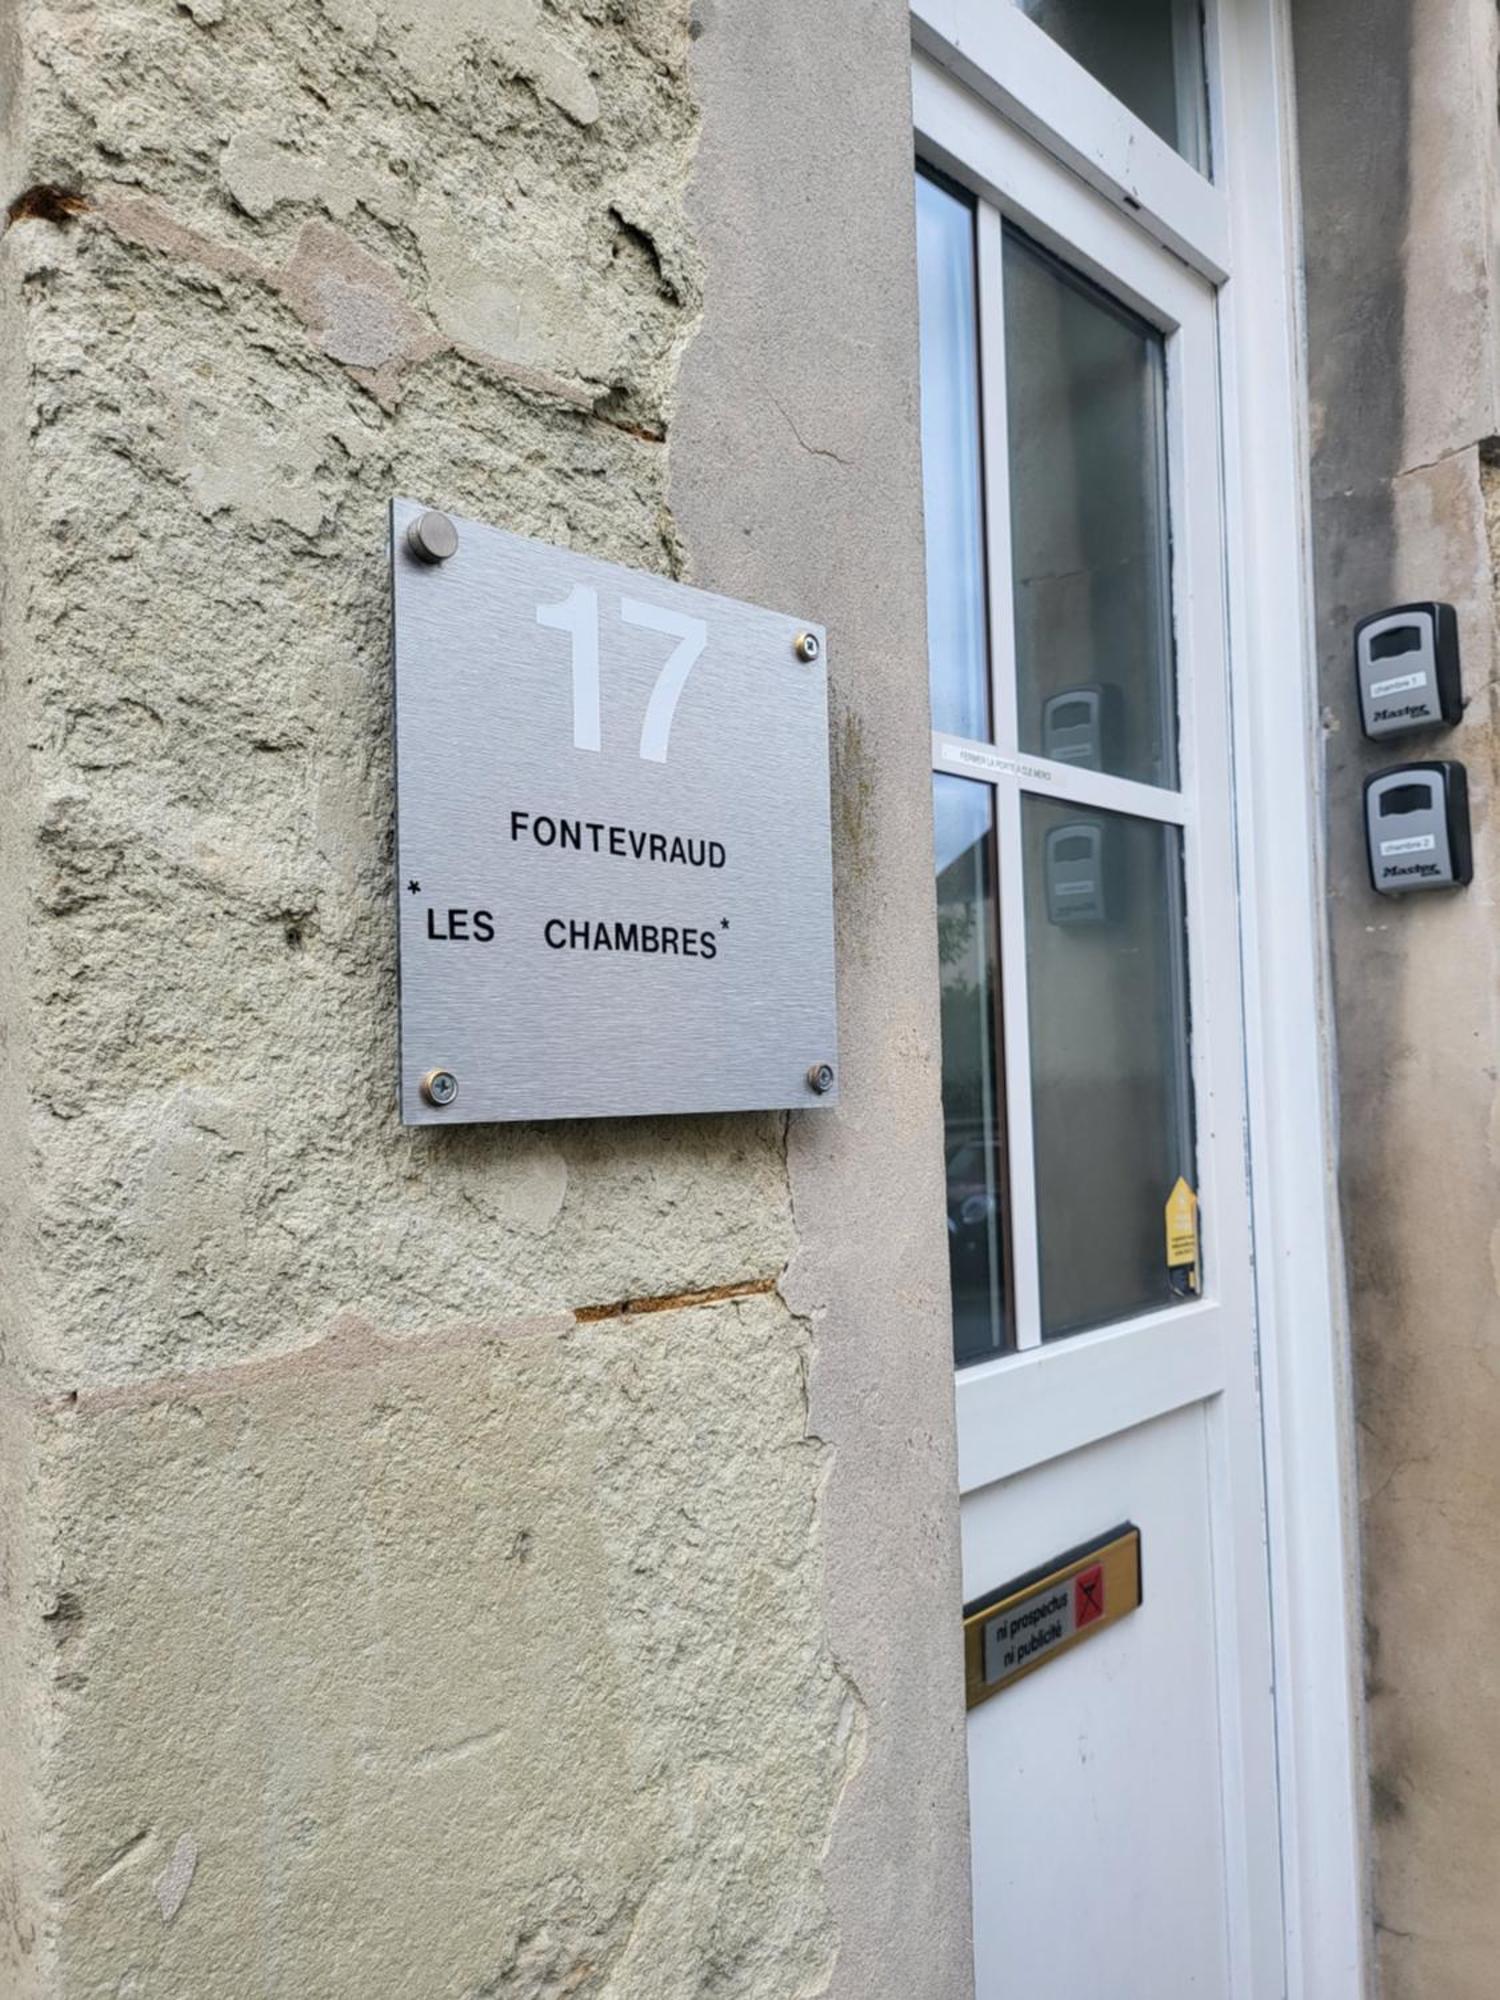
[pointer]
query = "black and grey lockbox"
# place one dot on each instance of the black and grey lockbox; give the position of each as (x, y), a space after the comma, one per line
(1080, 873)
(1081, 726)
(1407, 669)
(1417, 828)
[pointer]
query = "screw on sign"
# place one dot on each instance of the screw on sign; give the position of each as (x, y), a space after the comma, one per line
(432, 538)
(1088, 1596)
(439, 1087)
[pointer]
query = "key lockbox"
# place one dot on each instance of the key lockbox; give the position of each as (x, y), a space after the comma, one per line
(1407, 667)
(1417, 828)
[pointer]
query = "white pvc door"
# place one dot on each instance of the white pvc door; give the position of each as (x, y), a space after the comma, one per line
(1123, 1796)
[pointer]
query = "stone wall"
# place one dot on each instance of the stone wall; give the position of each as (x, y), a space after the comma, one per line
(423, 1571)
(1398, 136)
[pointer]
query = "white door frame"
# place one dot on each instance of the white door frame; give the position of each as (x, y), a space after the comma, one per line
(1241, 233)
(1047, 1402)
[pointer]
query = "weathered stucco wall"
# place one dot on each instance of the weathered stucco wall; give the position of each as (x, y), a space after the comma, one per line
(413, 1585)
(797, 471)
(1398, 135)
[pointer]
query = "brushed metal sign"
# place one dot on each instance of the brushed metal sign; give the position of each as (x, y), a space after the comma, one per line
(614, 877)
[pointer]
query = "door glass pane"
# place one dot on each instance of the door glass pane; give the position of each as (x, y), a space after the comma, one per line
(974, 1135)
(1148, 52)
(1111, 1090)
(1086, 404)
(957, 636)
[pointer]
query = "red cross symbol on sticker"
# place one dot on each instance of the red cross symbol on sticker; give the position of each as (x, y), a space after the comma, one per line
(1088, 1596)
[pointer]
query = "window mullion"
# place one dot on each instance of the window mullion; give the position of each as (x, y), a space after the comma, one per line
(1016, 1050)
(1015, 1039)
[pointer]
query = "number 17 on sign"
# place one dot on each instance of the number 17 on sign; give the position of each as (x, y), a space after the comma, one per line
(578, 615)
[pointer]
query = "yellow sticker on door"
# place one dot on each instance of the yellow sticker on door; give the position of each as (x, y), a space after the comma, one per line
(1182, 1227)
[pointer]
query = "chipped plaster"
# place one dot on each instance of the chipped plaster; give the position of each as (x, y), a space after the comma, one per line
(803, 380)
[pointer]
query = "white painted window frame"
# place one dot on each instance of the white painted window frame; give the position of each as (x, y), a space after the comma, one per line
(1008, 172)
(1018, 70)
(1240, 232)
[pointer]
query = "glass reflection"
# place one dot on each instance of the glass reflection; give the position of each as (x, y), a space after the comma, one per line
(1148, 52)
(1086, 403)
(1111, 1086)
(974, 1132)
(957, 636)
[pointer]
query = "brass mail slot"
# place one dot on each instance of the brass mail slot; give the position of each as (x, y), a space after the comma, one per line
(1013, 1631)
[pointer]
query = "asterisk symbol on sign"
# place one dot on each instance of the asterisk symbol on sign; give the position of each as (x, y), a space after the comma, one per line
(723, 923)
(414, 885)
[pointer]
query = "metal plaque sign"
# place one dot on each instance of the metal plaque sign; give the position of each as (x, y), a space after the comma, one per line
(613, 859)
(1021, 1627)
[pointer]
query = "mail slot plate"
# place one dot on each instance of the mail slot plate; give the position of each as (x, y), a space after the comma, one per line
(1012, 1631)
